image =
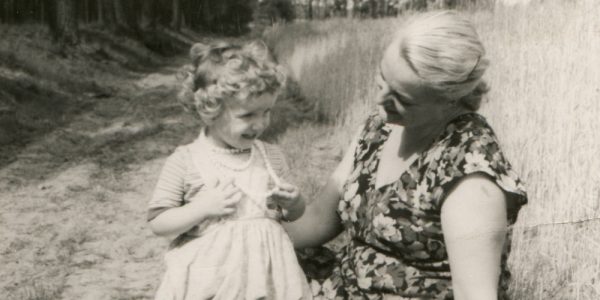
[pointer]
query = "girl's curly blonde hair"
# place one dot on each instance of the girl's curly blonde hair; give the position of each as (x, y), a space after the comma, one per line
(224, 72)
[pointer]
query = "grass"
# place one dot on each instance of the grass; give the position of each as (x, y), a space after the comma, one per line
(543, 106)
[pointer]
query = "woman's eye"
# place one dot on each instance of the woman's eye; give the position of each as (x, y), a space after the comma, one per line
(399, 99)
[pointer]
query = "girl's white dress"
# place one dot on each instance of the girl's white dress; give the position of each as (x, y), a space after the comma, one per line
(247, 255)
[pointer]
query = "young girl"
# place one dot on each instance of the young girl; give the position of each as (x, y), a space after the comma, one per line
(222, 195)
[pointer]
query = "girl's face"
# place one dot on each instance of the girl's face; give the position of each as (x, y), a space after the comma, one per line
(403, 97)
(241, 122)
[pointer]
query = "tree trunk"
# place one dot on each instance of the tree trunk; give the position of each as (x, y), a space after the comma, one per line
(125, 15)
(120, 18)
(373, 8)
(100, 8)
(86, 11)
(207, 13)
(309, 7)
(350, 9)
(63, 22)
(176, 15)
(8, 8)
(148, 14)
(383, 8)
(109, 18)
(42, 13)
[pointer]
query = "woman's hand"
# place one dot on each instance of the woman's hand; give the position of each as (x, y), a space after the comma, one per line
(287, 196)
(474, 225)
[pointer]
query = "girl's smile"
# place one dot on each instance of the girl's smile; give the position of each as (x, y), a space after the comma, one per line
(241, 122)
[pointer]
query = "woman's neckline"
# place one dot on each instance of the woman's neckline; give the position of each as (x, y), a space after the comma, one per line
(417, 155)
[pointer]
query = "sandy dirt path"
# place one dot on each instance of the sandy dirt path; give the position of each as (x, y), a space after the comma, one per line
(73, 204)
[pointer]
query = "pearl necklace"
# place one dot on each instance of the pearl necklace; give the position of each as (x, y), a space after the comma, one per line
(233, 151)
(221, 150)
(224, 166)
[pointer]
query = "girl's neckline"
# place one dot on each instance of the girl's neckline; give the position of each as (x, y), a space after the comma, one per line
(217, 149)
(257, 149)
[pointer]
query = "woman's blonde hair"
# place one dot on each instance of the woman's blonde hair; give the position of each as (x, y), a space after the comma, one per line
(444, 50)
(224, 72)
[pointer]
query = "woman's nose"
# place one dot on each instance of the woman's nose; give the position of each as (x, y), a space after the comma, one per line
(381, 94)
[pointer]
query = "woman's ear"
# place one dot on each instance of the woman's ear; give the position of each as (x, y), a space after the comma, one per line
(198, 52)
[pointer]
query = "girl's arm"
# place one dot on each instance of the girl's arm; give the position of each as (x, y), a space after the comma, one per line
(474, 225)
(219, 199)
(178, 220)
(167, 213)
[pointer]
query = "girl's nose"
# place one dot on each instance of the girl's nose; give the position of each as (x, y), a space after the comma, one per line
(260, 124)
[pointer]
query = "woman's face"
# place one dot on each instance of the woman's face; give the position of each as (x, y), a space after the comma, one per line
(241, 122)
(403, 97)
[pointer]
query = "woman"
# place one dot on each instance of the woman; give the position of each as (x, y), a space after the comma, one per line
(424, 192)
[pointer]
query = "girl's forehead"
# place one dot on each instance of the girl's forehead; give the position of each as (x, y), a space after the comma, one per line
(253, 102)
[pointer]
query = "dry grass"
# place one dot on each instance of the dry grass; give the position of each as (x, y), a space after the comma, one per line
(543, 105)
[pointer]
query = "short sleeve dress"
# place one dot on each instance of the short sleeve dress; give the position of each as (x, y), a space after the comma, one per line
(396, 245)
(244, 255)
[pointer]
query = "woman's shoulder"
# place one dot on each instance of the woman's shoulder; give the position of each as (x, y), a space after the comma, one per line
(471, 147)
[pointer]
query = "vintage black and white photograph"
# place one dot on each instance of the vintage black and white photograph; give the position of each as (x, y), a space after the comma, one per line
(299, 149)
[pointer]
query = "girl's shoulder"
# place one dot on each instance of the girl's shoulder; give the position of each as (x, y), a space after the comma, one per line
(182, 152)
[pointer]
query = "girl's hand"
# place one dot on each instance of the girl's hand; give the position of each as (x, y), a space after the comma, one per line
(287, 196)
(218, 200)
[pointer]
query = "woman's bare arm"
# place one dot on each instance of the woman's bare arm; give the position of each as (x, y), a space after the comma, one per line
(474, 225)
(320, 222)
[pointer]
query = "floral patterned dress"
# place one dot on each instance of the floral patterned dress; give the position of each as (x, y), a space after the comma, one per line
(396, 245)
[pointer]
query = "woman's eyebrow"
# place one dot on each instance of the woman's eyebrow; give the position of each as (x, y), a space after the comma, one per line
(394, 92)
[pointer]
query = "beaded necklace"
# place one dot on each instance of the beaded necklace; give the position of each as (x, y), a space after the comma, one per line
(223, 167)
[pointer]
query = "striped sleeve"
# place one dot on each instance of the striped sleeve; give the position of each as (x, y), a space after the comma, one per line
(169, 189)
